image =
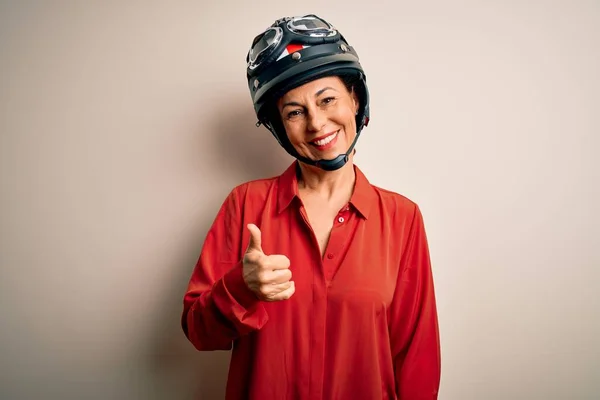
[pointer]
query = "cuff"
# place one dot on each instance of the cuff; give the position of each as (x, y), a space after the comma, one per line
(237, 302)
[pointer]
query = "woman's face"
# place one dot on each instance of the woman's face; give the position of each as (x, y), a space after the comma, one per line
(319, 118)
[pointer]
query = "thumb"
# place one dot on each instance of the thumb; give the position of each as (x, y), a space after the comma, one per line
(255, 238)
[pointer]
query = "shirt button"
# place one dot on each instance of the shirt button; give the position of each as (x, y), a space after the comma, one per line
(341, 220)
(330, 256)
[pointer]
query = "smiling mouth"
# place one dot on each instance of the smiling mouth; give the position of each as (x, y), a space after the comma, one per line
(326, 140)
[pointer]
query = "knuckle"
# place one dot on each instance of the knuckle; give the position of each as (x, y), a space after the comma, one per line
(267, 262)
(262, 276)
(263, 264)
(263, 290)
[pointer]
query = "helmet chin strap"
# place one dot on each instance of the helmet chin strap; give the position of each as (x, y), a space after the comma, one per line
(330, 165)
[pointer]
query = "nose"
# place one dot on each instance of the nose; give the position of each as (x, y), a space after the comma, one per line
(316, 120)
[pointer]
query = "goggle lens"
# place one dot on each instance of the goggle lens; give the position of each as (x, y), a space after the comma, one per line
(269, 39)
(311, 25)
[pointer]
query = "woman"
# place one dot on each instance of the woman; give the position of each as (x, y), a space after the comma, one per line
(320, 282)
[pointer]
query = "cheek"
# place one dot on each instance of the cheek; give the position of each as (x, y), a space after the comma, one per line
(348, 118)
(294, 131)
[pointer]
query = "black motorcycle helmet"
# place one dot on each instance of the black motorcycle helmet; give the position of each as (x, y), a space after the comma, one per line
(292, 52)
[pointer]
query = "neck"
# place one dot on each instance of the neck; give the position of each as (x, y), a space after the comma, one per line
(327, 184)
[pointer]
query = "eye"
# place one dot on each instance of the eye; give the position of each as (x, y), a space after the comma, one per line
(328, 100)
(294, 114)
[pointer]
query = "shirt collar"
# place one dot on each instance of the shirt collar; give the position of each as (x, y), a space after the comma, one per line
(362, 198)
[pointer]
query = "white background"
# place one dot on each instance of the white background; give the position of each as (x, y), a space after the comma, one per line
(123, 126)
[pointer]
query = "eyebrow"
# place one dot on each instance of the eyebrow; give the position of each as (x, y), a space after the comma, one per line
(320, 92)
(317, 94)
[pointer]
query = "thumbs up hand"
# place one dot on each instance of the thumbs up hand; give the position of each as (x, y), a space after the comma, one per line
(267, 276)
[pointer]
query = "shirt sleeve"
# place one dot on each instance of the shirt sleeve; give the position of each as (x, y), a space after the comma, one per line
(218, 306)
(414, 332)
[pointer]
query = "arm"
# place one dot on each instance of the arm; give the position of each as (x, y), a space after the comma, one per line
(414, 333)
(218, 306)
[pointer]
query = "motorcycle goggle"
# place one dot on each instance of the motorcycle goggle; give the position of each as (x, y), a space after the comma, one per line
(310, 26)
(263, 45)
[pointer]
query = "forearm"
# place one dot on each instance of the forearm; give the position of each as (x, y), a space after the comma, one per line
(414, 321)
(418, 368)
(216, 316)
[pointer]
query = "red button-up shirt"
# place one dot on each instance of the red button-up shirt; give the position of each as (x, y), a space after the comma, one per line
(362, 323)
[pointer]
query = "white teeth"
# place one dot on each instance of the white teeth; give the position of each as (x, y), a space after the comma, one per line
(328, 139)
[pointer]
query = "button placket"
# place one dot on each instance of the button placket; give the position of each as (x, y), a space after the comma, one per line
(337, 239)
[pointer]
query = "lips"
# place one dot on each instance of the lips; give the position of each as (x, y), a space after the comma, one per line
(325, 142)
(325, 139)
